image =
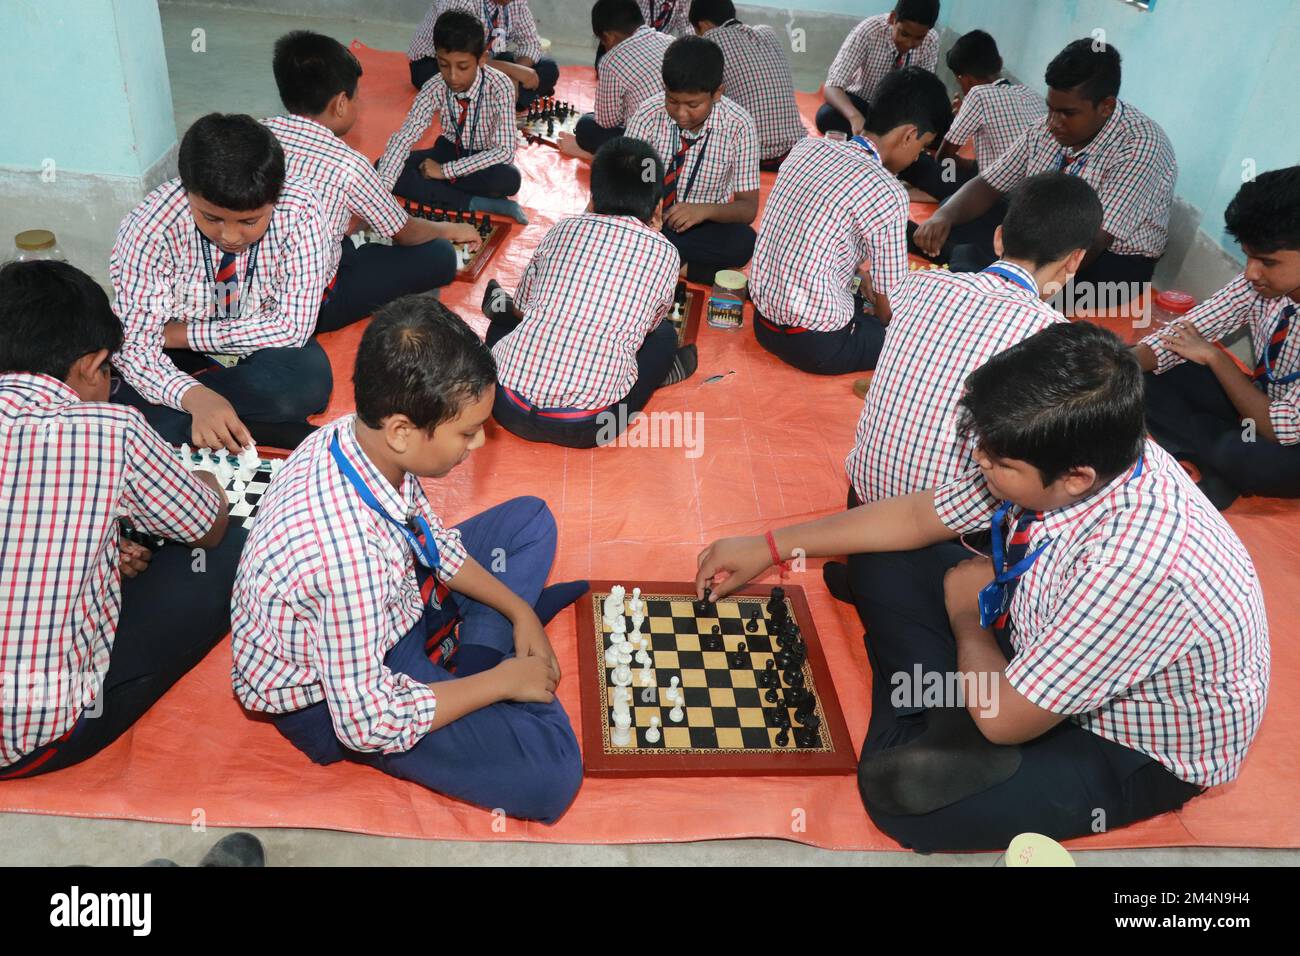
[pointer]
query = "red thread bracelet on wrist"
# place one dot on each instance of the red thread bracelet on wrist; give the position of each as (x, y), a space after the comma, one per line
(776, 554)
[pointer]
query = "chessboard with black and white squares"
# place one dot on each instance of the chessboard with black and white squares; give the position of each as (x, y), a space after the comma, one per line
(734, 696)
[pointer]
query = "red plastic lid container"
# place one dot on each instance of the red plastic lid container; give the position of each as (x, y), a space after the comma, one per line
(1177, 303)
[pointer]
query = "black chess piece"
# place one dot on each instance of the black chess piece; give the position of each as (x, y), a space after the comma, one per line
(803, 737)
(752, 624)
(771, 696)
(783, 738)
(679, 297)
(702, 606)
(714, 639)
(793, 677)
(776, 605)
(485, 228)
(810, 721)
(768, 678)
(782, 659)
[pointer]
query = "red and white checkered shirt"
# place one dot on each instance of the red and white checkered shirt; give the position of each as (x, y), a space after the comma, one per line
(71, 468)
(756, 74)
(489, 125)
(724, 159)
(1130, 163)
(944, 326)
(630, 74)
(596, 287)
(343, 180)
(834, 206)
(1142, 621)
(673, 14)
(515, 27)
(158, 275)
(325, 588)
(994, 115)
(869, 52)
(1235, 305)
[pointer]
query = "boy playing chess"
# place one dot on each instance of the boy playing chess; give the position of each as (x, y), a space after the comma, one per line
(230, 259)
(512, 43)
(907, 436)
(756, 75)
(90, 621)
(1241, 430)
(471, 164)
(1109, 664)
(584, 343)
(709, 148)
(994, 113)
(371, 633)
(875, 47)
(630, 73)
(1088, 132)
(317, 78)
(836, 209)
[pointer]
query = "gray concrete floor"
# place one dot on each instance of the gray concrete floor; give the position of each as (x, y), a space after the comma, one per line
(234, 75)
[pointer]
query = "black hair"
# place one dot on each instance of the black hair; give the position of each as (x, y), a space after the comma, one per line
(1265, 214)
(975, 54)
(52, 314)
(616, 16)
(232, 161)
(311, 69)
(924, 12)
(716, 12)
(692, 65)
(627, 179)
(419, 359)
(911, 95)
(1070, 396)
(459, 32)
(1090, 66)
(1049, 216)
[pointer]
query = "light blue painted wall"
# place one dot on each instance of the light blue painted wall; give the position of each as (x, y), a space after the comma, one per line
(86, 86)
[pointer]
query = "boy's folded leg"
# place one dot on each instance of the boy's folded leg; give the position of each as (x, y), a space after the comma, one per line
(375, 274)
(500, 207)
(276, 385)
(556, 597)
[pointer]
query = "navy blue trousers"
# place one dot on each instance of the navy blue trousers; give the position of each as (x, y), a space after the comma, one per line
(711, 246)
(829, 118)
(591, 136)
(1189, 413)
(654, 360)
(495, 182)
(271, 387)
(172, 615)
(854, 348)
(521, 758)
(375, 274)
(1069, 782)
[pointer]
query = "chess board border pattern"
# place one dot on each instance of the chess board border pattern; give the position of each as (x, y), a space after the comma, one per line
(497, 229)
(833, 755)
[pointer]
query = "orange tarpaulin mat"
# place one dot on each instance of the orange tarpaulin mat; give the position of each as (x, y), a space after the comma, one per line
(773, 445)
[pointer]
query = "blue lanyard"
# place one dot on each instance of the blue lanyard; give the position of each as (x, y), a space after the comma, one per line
(993, 596)
(1286, 314)
(427, 552)
(453, 100)
(866, 144)
(250, 268)
(1013, 275)
(697, 148)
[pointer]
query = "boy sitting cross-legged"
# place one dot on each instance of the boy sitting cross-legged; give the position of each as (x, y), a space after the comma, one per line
(372, 633)
(584, 342)
(709, 148)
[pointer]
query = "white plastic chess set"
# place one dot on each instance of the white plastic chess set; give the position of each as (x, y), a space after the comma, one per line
(619, 655)
(245, 477)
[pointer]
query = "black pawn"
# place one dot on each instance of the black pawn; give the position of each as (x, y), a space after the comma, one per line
(702, 605)
(783, 738)
(752, 626)
(771, 696)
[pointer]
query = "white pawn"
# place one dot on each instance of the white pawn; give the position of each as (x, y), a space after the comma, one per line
(186, 460)
(647, 676)
(619, 626)
(205, 459)
(676, 715)
(652, 735)
(636, 606)
(672, 694)
(611, 655)
(642, 657)
(248, 458)
(622, 729)
(238, 488)
(622, 676)
(224, 471)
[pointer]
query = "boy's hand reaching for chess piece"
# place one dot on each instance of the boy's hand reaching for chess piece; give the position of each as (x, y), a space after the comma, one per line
(731, 563)
(215, 424)
(461, 232)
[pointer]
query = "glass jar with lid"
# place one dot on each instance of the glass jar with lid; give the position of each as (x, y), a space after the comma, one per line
(37, 244)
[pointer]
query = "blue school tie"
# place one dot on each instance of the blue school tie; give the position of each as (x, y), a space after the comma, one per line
(1264, 370)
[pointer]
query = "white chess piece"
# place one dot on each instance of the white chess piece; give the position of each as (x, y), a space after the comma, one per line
(672, 694)
(622, 735)
(238, 487)
(642, 657)
(619, 626)
(636, 606)
(614, 604)
(676, 715)
(186, 460)
(647, 676)
(248, 457)
(652, 735)
(622, 675)
(611, 655)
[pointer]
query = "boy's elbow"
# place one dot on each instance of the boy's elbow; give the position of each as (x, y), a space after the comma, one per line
(216, 532)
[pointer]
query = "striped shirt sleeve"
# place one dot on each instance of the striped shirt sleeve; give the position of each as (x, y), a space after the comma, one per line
(968, 120)
(1013, 168)
(965, 505)
(418, 120)
(159, 495)
(523, 32)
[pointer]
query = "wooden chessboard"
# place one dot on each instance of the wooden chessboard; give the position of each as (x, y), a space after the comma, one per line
(730, 724)
(469, 262)
(546, 119)
(688, 308)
